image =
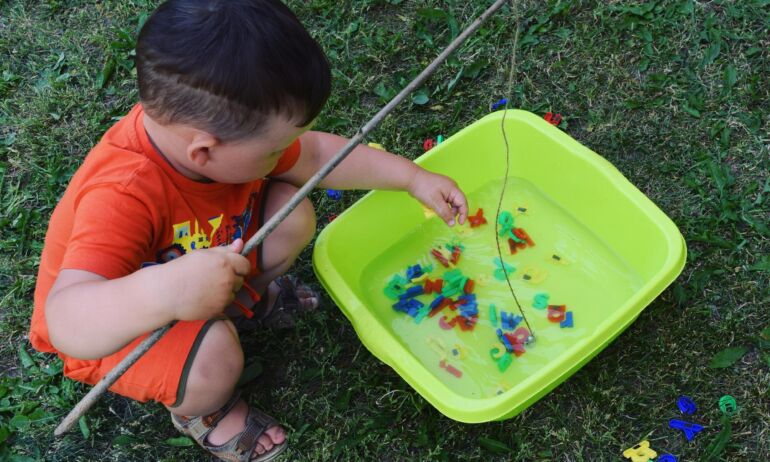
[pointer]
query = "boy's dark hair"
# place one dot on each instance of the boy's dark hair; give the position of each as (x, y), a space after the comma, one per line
(224, 66)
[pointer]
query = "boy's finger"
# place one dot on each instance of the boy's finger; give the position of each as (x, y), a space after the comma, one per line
(238, 283)
(236, 246)
(445, 211)
(462, 204)
(458, 204)
(241, 265)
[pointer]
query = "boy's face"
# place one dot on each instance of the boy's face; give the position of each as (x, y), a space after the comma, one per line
(251, 158)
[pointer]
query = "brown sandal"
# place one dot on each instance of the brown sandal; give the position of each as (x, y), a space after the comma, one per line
(241, 446)
(285, 310)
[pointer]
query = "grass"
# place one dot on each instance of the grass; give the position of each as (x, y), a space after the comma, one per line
(674, 93)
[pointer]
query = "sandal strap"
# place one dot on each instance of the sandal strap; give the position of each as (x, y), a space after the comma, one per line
(288, 293)
(199, 427)
(213, 419)
(286, 300)
(257, 422)
(284, 310)
(241, 446)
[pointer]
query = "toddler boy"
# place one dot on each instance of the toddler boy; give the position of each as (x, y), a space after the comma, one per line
(151, 226)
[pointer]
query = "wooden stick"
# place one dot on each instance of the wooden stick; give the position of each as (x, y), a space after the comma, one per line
(98, 390)
(93, 395)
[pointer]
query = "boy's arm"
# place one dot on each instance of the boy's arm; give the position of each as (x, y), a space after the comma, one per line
(90, 317)
(369, 168)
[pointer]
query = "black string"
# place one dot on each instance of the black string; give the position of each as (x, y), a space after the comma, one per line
(531, 337)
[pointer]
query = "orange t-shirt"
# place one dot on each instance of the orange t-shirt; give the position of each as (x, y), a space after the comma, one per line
(126, 207)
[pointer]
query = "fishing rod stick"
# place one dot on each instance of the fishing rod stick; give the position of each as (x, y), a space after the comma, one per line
(95, 393)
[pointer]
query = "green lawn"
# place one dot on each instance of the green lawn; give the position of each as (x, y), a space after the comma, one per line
(674, 93)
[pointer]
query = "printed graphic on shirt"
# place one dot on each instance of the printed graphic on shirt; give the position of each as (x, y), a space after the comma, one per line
(190, 235)
(198, 239)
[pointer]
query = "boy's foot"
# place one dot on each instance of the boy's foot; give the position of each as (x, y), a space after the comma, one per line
(236, 432)
(286, 298)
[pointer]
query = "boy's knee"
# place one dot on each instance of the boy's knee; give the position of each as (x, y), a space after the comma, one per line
(306, 221)
(218, 363)
(301, 222)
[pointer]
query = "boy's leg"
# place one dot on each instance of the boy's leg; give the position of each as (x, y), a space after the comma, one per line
(218, 363)
(281, 247)
(211, 381)
(205, 356)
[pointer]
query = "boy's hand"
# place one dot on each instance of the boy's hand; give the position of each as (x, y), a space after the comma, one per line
(441, 194)
(207, 280)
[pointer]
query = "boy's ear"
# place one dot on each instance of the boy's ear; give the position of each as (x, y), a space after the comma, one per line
(199, 149)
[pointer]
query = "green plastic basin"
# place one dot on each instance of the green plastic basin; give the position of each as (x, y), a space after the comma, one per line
(615, 251)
